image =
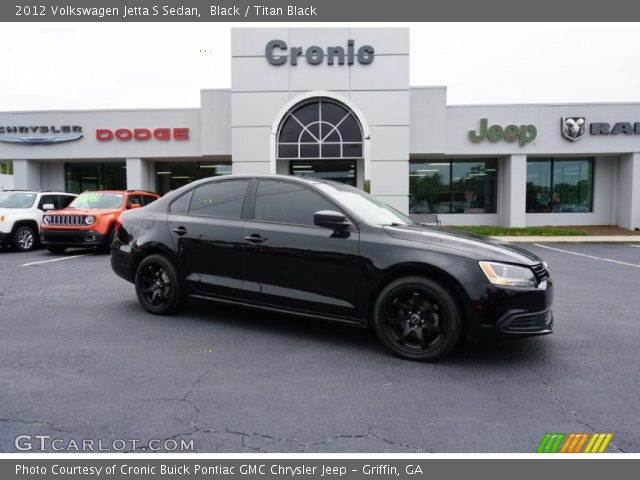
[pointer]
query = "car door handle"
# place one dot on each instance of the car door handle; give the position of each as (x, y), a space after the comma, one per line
(254, 238)
(180, 230)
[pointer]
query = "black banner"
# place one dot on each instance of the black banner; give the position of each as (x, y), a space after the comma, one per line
(348, 469)
(315, 11)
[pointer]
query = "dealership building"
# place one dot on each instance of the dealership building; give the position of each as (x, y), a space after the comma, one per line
(336, 103)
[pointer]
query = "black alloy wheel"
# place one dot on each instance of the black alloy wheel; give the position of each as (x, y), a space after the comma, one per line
(417, 319)
(157, 286)
(24, 239)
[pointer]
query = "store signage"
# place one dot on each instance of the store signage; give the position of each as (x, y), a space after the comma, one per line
(141, 134)
(278, 52)
(522, 133)
(40, 135)
(574, 128)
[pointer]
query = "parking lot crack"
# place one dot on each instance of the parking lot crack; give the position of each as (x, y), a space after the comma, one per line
(556, 398)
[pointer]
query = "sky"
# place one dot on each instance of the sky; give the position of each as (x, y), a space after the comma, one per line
(102, 66)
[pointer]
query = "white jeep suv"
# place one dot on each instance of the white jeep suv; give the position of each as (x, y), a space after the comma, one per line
(21, 215)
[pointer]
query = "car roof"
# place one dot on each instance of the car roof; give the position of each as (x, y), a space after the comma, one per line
(55, 192)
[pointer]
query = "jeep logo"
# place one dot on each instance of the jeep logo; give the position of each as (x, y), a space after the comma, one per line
(276, 53)
(522, 133)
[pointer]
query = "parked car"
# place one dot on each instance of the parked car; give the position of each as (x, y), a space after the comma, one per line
(21, 214)
(89, 220)
(327, 250)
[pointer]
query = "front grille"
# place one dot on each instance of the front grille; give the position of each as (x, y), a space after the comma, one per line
(540, 271)
(66, 220)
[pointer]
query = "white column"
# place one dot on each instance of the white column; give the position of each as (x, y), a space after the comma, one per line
(512, 190)
(26, 175)
(628, 191)
(139, 174)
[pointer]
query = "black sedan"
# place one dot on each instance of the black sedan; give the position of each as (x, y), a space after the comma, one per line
(321, 249)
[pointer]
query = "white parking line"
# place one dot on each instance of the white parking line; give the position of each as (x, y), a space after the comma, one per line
(56, 259)
(635, 246)
(588, 256)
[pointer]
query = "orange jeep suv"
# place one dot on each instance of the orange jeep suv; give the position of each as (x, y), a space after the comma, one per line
(89, 221)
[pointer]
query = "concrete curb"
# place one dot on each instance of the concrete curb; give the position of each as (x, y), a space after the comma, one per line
(572, 239)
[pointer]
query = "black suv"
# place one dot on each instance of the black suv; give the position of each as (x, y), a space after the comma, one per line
(326, 250)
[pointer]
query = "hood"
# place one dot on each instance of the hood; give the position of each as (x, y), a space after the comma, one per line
(476, 246)
(83, 211)
(10, 211)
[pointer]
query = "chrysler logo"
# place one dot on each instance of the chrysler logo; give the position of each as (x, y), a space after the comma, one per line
(41, 140)
(573, 128)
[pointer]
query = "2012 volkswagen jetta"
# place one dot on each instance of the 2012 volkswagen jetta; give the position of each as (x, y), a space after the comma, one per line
(322, 249)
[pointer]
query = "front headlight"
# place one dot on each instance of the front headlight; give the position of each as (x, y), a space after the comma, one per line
(508, 275)
(46, 219)
(89, 219)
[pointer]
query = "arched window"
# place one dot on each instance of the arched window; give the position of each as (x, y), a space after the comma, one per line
(319, 128)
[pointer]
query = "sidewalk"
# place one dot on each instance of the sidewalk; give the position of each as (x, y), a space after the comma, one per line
(573, 239)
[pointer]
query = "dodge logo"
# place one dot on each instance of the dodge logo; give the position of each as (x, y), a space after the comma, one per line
(573, 128)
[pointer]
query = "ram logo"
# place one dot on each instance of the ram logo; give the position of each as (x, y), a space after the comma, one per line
(573, 128)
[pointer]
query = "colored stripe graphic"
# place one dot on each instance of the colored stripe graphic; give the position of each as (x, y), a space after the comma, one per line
(550, 443)
(556, 442)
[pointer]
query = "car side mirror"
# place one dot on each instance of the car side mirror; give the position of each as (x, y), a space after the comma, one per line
(335, 221)
(48, 206)
(135, 205)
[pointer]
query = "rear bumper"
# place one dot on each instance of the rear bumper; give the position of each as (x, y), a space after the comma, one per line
(122, 264)
(71, 238)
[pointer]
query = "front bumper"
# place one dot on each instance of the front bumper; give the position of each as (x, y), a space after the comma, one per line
(71, 238)
(509, 311)
(4, 238)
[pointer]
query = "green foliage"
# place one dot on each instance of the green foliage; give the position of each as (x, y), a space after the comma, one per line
(491, 231)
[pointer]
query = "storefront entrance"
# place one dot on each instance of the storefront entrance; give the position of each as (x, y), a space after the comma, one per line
(95, 176)
(170, 176)
(343, 171)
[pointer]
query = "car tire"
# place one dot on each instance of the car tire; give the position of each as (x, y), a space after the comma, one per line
(24, 239)
(417, 319)
(108, 240)
(158, 287)
(57, 249)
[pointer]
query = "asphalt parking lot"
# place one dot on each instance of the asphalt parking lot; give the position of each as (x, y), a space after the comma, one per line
(80, 359)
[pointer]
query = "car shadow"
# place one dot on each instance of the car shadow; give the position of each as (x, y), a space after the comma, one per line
(489, 352)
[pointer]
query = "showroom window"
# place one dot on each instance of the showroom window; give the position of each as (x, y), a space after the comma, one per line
(452, 186)
(560, 185)
(170, 176)
(95, 176)
(6, 168)
(320, 128)
(284, 202)
(343, 171)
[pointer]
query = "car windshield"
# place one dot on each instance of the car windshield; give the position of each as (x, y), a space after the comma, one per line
(369, 208)
(97, 200)
(17, 199)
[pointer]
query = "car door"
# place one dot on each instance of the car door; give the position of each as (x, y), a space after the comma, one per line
(206, 228)
(289, 262)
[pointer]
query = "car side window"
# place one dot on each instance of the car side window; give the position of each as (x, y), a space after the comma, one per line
(64, 200)
(285, 202)
(219, 199)
(147, 199)
(181, 204)
(133, 199)
(52, 199)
